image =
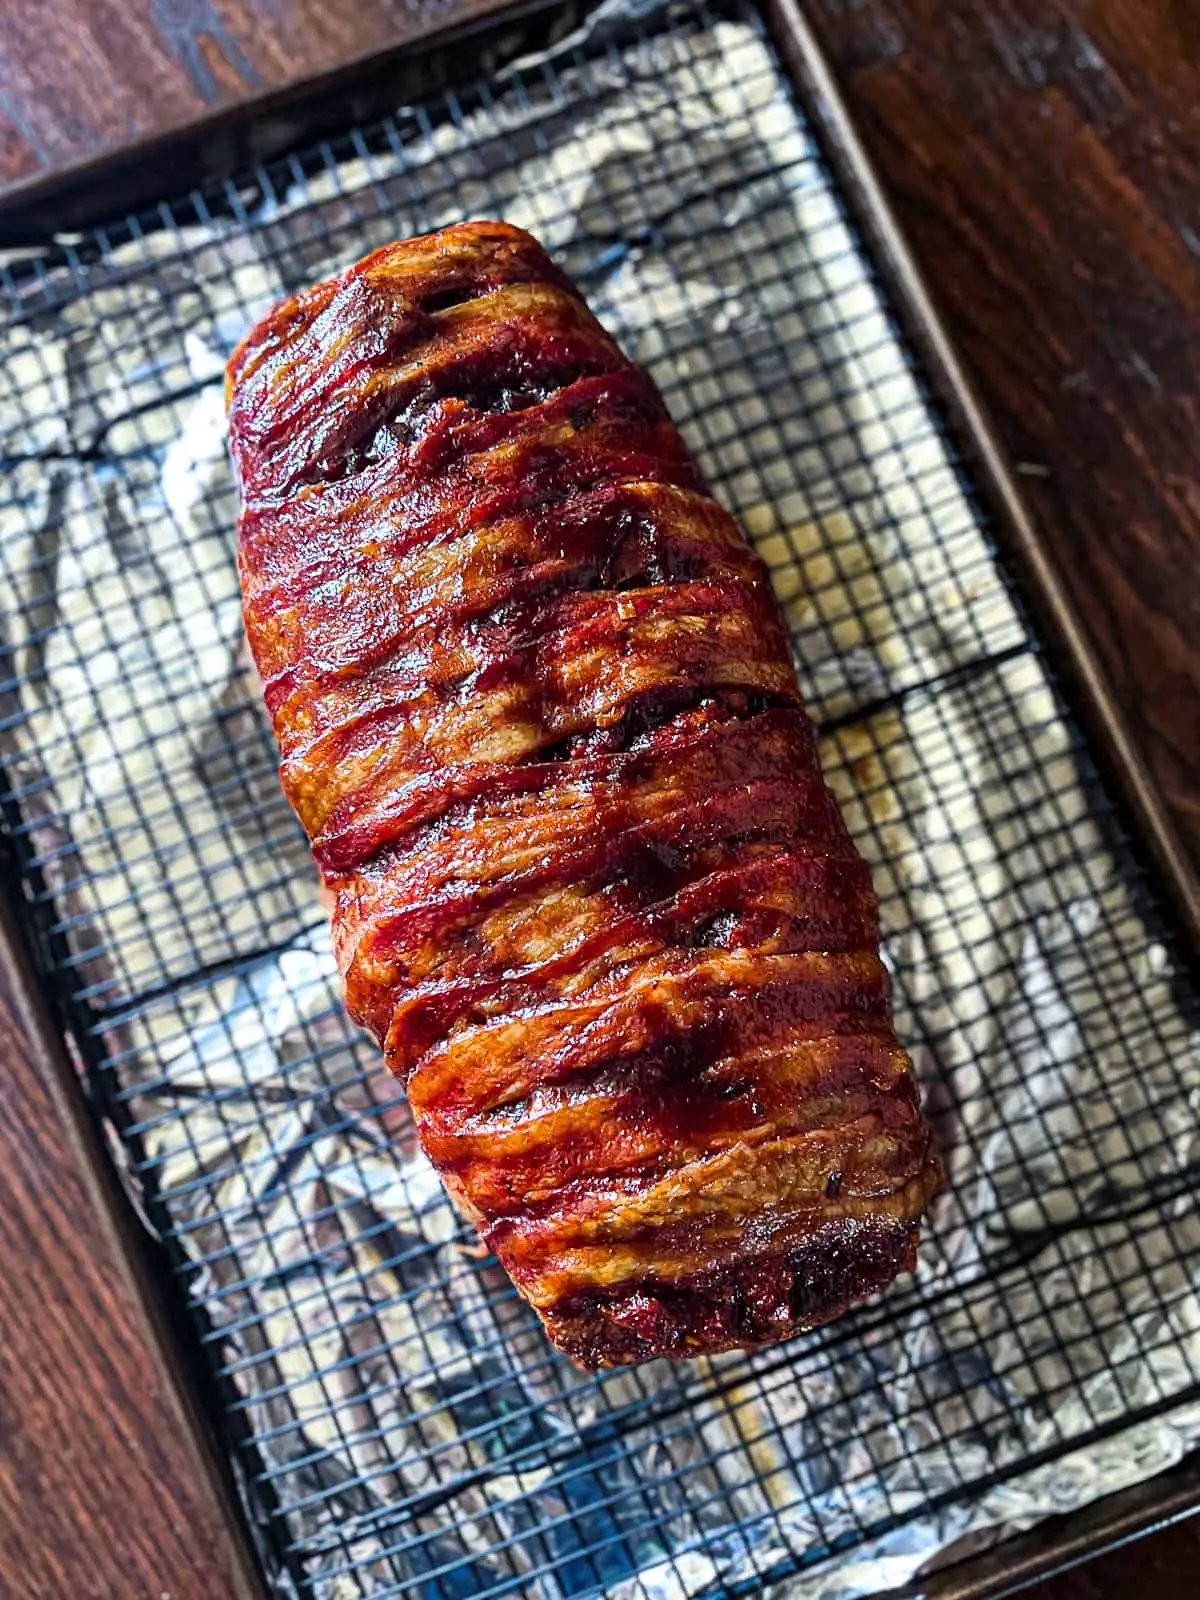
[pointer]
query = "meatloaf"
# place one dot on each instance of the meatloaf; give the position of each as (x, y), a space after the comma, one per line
(537, 714)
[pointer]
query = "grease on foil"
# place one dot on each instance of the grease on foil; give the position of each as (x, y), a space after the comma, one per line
(408, 1411)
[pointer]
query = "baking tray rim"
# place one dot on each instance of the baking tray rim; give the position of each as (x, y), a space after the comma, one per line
(267, 126)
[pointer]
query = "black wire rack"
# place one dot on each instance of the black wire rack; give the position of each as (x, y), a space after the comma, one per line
(399, 1425)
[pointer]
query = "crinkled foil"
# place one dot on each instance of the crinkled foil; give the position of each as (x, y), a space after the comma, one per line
(408, 1430)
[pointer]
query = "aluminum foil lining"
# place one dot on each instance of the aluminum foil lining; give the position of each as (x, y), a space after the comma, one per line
(408, 1418)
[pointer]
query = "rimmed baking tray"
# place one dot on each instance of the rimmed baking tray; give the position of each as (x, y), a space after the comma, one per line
(392, 1423)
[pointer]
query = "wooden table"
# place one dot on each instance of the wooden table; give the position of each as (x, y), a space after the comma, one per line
(1044, 157)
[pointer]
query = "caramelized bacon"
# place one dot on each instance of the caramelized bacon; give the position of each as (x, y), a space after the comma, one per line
(537, 714)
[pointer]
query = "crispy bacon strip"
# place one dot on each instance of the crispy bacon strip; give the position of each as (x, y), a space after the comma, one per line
(537, 714)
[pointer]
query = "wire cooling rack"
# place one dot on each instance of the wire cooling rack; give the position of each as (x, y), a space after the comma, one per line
(398, 1423)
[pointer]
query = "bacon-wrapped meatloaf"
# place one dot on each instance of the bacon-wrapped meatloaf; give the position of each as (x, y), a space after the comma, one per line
(538, 716)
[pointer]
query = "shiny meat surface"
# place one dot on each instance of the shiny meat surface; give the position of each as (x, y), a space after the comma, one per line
(538, 717)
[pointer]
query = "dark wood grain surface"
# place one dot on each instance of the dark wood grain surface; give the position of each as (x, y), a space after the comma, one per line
(1161, 1567)
(1044, 158)
(102, 1493)
(81, 76)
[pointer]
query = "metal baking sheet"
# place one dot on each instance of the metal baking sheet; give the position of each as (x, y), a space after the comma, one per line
(400, 1425)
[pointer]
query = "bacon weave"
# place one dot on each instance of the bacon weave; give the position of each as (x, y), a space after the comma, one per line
(538, 717)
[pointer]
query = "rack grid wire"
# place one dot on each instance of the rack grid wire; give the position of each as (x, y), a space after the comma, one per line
(399, 1425)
